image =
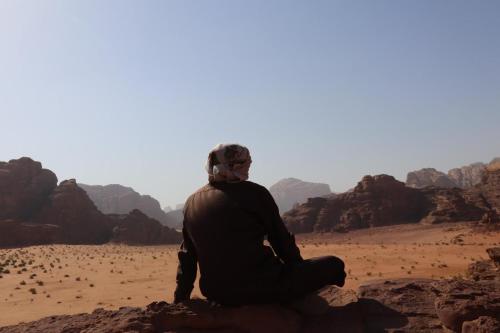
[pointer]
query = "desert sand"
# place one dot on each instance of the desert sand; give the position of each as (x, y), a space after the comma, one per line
(67, 279)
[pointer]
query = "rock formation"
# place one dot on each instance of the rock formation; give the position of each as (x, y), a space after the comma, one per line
(291, 191)
(33, 210)
(15, 233)
(382, 200)
(450, 205)
(70, 208)
(118, 199)
(429, 177)
(467, 176)
(24, 186)
(400, 305)
(137, 228)
(375, 201)
(464, 177)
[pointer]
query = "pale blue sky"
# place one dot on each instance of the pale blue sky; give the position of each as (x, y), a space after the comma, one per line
(137, 92)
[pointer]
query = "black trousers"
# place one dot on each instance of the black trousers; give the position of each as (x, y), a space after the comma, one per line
(309, 276)
(296, 281)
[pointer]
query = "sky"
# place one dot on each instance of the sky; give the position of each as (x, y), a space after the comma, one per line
(138, 92)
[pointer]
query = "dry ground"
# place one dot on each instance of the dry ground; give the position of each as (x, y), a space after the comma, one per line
(63, 279)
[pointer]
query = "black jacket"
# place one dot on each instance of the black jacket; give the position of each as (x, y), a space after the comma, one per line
(225, 225)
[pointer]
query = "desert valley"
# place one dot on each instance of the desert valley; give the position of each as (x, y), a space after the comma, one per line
(61, 255)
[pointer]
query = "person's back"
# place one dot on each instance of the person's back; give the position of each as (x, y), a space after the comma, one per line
(225, 224)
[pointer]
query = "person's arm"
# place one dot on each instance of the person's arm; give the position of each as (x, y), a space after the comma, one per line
(186, 270)
(281, 240)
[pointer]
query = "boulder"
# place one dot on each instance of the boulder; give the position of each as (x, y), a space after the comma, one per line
(482, 324)
(461, 300)
(494, 254)
(24, 188)
(137, 228)
(70, 208)
(408, 305)
(291, 191)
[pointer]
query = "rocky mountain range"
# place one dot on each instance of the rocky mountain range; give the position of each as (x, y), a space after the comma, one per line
(35, 210)
(289, 192)
(382, 200)
(119, 199)
(463, 177)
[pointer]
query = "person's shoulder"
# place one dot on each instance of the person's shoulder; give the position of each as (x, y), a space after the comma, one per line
(204, 188)
(255, 187)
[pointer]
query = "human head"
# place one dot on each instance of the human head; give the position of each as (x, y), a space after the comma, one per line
(228, 162)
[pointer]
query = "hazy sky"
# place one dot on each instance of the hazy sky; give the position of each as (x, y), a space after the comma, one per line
(138, 92)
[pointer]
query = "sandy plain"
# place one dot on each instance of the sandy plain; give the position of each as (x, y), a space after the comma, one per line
(40, 281)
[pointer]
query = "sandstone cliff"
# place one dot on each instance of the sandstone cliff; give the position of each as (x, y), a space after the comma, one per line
(33, 210)
(24, 187)
(382, 200)
(467, 176)
(463, 177)
(428, 177)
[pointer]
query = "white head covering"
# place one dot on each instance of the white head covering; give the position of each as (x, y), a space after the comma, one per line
(228, 163)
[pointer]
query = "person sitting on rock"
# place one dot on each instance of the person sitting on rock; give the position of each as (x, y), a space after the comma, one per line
(225, 224)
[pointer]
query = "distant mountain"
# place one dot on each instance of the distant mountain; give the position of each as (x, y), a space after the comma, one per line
(429, 177)
(176, 215)
(119, 199)
(463, 177)
(292, 191)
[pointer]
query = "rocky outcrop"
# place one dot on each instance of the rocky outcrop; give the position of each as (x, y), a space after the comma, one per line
(291, 191)
(460, 301)
(399, 305)
(33, 210)
(136, 228)
(382, 200)
(70, 208)
(464, 177)
(494, 164)
(450, 205)
(375, 201)
(429, 177)
(15, 233)
(24, 187)
(489, 189)
(467, 176)
(118, 199)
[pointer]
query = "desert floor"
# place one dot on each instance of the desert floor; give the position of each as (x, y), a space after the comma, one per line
(62, 279)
